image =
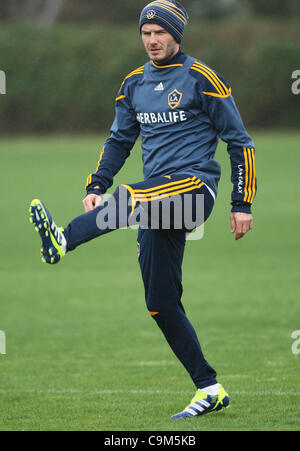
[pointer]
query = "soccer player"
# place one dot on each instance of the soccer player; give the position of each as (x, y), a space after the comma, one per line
(180, 107)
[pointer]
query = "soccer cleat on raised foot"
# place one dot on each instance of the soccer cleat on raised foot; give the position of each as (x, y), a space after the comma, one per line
(53, 240)
(203, 403)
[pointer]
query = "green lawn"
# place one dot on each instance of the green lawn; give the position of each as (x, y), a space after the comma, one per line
(82, 351)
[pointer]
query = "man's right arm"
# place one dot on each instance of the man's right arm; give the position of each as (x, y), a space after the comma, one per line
(124, 133)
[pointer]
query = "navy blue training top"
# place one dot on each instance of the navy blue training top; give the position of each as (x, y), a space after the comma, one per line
(180, 109)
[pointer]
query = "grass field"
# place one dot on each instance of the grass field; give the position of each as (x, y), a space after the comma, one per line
(82, 351)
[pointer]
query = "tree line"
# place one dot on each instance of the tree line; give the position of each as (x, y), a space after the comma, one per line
(119, 11)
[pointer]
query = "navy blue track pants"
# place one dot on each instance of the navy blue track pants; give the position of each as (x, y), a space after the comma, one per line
(166, 209)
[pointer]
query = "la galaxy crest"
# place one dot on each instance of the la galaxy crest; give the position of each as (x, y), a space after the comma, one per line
(151, 14)
(174, 99)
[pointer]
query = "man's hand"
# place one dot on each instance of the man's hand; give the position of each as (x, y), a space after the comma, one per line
(241, 223)
(91, 201)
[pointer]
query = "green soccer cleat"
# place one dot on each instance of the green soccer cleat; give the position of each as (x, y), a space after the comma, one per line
(203, 403)
(53, 240)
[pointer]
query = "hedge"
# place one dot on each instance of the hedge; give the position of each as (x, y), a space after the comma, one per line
(65, 78)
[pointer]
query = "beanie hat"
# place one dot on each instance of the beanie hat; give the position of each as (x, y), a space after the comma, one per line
(170, 15)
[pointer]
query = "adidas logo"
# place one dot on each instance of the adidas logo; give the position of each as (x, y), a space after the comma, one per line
(159, 87)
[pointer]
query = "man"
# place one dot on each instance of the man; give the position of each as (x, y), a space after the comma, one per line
(179, 106)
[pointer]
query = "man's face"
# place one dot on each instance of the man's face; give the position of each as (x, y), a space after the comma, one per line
(159, 43)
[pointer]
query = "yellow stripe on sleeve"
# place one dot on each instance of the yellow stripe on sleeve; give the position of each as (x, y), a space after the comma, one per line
(222, 90)
(219, 92)
(250, 175)
(137, 71)
(254, 176)
(246, 174)
(88, 180)
(100, 158)
(120, 97)
(213, 94)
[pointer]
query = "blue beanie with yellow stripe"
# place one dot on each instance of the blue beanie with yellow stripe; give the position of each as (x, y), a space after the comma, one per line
(170, 15)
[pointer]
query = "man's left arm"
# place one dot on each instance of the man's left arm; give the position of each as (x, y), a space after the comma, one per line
(229, 125)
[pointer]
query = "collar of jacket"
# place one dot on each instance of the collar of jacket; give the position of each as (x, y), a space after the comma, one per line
(176, 60)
